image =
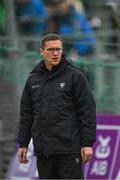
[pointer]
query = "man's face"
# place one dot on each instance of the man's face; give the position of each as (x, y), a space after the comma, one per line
(52, 52)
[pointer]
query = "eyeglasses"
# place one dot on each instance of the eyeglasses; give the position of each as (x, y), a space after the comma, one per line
(52, 50)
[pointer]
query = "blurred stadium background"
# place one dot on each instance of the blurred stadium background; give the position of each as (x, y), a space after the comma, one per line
(19, 52)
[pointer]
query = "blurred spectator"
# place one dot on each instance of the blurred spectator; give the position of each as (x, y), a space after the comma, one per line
(31, 15)
(89, 8)
(66, 20)
(114, 4)
(60, 19)
(2, 18)
(91, 12)
(84, 46)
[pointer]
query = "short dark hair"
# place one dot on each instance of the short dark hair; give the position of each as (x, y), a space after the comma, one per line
(49, 37)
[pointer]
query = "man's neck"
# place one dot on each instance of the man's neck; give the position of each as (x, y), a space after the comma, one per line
(48, 66)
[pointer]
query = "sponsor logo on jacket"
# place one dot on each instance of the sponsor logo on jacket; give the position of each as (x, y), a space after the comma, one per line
(35, 86)
(62, 85)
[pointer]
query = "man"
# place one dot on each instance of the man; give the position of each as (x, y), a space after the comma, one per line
(58, 112)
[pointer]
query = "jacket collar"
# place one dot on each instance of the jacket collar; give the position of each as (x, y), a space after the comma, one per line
(41, 68)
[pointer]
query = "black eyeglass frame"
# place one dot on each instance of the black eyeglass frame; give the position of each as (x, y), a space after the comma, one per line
(52, 50)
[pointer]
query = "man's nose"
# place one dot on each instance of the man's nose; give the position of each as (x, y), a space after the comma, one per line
(55, 52)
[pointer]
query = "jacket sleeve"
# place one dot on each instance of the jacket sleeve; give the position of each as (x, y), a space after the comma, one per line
(86, 110)
(26, 117)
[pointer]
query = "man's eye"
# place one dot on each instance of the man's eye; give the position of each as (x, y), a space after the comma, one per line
(54, 49)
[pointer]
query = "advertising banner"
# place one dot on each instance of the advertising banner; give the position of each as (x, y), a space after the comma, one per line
(105, 163)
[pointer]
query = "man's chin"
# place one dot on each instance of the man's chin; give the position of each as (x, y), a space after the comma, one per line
(56, 63)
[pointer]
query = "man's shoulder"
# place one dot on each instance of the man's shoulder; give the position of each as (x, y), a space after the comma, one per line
(31, 78)
(75, 69)
(71, 64)
(36, 71)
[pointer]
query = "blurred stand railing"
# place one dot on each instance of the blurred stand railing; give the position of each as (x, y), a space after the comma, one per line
(107, 41)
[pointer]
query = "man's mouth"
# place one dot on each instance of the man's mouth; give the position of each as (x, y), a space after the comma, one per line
(55, 58)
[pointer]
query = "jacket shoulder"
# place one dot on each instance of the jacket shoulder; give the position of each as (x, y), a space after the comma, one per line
(76, 70)
(30, 79)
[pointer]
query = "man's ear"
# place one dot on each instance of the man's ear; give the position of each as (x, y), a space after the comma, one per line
(41, 51)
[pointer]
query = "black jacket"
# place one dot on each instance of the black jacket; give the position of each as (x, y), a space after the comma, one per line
(57, 110)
